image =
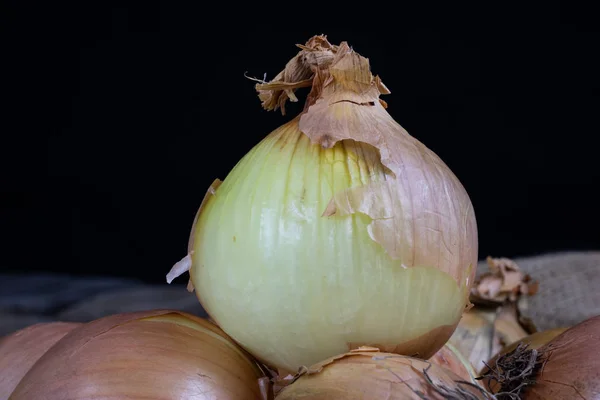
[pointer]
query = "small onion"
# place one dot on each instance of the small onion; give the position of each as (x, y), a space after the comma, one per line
(567, 366)
(450, 358)
(366, 373)
(337, 230)
(21, 349)
(158, 354)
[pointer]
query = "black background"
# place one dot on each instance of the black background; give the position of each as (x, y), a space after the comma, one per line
(117, 117)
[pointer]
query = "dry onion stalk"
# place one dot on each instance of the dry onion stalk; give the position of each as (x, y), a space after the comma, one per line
(159, 354)
(21, 349)
(337, 230)
(495, 321)
(366, 373)
(566, 367)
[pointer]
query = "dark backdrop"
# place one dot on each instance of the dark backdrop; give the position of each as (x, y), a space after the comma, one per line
(118, 117)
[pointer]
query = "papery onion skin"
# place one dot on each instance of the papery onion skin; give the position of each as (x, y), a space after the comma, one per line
(450, 358)
(161, 354)
(21, 349)
(369, 374)
(482, 332)
(295, 275)
(568, 366)
(474, 337)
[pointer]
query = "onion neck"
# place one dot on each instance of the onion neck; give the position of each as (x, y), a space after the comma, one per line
(319, 65)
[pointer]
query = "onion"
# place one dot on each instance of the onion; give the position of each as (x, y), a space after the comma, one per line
(366, 373)
(337, 230)
(144, 355)
(566, 367)
(21, 349)
(450, 358)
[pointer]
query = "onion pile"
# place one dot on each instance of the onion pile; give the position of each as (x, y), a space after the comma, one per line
(20, 350)
(337, 230)
(336, 260)
(366, 373)
(567, 366)
(145, 355)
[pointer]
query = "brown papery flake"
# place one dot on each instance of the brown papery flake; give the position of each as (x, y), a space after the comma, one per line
(421, 204)
(504, 282)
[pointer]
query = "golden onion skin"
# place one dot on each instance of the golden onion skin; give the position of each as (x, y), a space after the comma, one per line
(153, 355)
(20, 350)
(368, 374)
(293, 286)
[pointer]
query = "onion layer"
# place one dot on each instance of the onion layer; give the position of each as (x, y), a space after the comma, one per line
(338, 230)
(21, 349)
(366, 373)
(144, 355)
(450, 358)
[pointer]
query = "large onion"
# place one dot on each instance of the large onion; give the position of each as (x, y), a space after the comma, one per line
(144, 355)
(21, 349)
(566, 367)
(366, 373)
(339, 229)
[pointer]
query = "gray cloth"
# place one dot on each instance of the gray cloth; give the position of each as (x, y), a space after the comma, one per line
(569, 293)
(569, 290)
(29, 299)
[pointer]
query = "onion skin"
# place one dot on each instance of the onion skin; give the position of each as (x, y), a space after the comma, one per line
(368, 374)
(450, 358)
(21, 349)
(474, 336)
(160, 354)
(569, 366)
(338, 230)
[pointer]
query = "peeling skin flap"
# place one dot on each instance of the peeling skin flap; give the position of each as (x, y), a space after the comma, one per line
(185, 264)
(421, 215)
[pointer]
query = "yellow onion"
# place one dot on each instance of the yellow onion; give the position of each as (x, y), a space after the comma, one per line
(366, 373)
(158, 354)
(21, 349)
(337, 230)
(549, 365)
(450, 358)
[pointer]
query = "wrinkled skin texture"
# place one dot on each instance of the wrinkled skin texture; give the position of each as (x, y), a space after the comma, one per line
(369, 374)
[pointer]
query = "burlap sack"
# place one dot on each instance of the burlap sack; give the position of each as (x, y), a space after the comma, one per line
(569, 290)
